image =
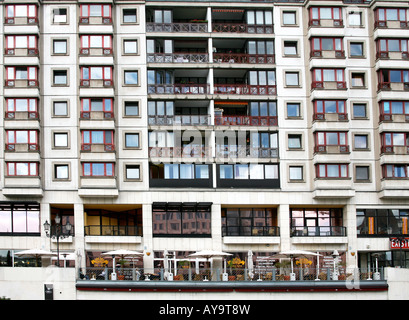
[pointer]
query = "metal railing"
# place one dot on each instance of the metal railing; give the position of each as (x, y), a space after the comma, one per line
(232, 274)
(305, 231)
(101, 230)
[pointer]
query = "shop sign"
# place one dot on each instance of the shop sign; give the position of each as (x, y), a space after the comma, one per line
(399, 243)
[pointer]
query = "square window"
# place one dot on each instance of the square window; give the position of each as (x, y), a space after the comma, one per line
(131, 77)
(61, 140)
(356, 49)
(130, 46)
(296, 173)
(132, 140)
(361, 141)
(291, 79)
(294, 141)
(60, 108)
(60, 15)
(358, 79)
(359, 110)
(362, 172)
(133, 172)
(290, 48)
(129, 15)
(355, 18)
(131, 108)
(293, 110)
(61, 171)
(59, 46)
(289, 18)
(60, 77)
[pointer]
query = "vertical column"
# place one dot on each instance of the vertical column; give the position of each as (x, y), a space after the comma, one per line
(147, 236)
(79, 234)
(217, 227)
(350, 224)
(283, 219)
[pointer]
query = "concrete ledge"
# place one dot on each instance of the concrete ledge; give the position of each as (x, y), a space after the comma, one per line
(218, 286)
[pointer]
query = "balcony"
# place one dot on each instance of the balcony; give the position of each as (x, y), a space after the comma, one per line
(329, 85)
(242, 28)
(240, 151)
(182, 120)
(22, 186)
(178, 57)
(248, 231)
(332, 117)
(193, 89)
(393, 86)
(243, 58)
(21, 52)
(315, 231)
(398, 150)
(113, 230)
(331, 149)
(392, 55)
(233, 120)
(244, 89)
(180, 152)
(182, 27)
(328, 54)
(21, 83)
(22, 147)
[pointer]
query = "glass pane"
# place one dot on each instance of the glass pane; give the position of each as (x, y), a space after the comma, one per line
(256, 171)
(226, 172)
(241, 171)
(171, 171)
(271, 171)
(187, 171)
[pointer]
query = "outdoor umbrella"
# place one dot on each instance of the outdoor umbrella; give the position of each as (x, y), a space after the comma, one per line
(35, 253)
(292, 254)
(207, 254)
(122, 254)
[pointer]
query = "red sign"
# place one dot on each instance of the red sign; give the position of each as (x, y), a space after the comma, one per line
(402, 243)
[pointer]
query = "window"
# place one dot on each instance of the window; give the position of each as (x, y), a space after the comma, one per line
(394, 107)
(60, 15)
(296, 173)
(61, 171)
(60, 139)
(327, 44)
(331, 138)
(22, 169)
(129, 15)
(328, 75)
(316, 222)
(359, 110)
(329, 106)
(180, 171)
(358, 80)
(290, 48)
(21, 42)
(14, 12)
(259, 17)
(25, 137)
(361, 141)
(21, 73)
(249, 222)
(392, 45)
(394, 76)
(60, 108)
(132, 172)
(293, 110)
(325, 13)
(395, 139)
(356, 49)
(355, 19)
(97, 137)
(60, 46)
(60, 77)
(131, 77)
(391, 14)
(292, 79)
(20, 218)
(382, 222)
(132, 140)
(95, 10)
(294, 141)
(96, 73)
(131, 108)
(130, 46)
(362, 173)
(98, 169)
(262, 78)
(248, 171)
(96, 42)
(289, 18)
(104, 105)
(21, 105)
(395, 171)
(332, 170)
(181, 219)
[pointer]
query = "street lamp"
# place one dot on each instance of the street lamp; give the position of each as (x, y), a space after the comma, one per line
(57, 233)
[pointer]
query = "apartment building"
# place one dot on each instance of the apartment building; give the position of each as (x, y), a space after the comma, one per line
(190, 125)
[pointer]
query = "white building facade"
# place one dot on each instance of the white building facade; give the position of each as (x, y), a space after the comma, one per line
(232, 126)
